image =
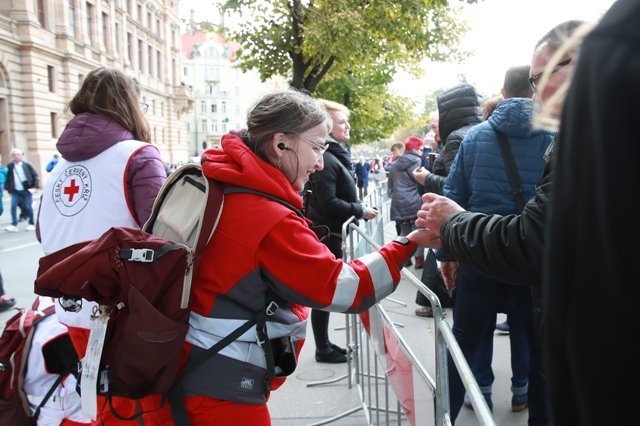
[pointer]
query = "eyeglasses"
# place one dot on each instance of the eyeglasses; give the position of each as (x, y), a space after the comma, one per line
(144, 107)
(318, 148)
(533, 80)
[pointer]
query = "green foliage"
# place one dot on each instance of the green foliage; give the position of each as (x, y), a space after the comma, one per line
(352, 47)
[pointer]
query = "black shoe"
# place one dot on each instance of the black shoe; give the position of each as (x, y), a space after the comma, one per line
(338, 349)
(333, 357)
(6, 303)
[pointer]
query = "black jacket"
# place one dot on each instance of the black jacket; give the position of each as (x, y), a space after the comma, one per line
(459, 110)
(590, 282)
(507, 248)
(32, 178)
(334, 197)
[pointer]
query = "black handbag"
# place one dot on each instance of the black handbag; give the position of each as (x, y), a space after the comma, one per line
(432, 278)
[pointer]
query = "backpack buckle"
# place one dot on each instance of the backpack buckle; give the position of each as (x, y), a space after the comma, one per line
(272, 308)
(144, 255)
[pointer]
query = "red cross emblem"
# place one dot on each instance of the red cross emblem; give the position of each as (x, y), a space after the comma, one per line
(71, 190)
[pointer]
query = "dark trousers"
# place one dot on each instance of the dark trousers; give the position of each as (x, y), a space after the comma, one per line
(320, 319)
(478, 298)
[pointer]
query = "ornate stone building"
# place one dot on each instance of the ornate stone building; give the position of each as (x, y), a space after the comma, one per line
(47, 46)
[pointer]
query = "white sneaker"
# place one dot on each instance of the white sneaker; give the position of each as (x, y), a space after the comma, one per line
(29, 228)
(11, 228)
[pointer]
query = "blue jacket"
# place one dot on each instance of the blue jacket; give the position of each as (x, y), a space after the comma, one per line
(478, 180)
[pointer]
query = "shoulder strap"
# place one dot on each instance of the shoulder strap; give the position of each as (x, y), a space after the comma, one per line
(178, 410)
(511, 168)
(48, 395)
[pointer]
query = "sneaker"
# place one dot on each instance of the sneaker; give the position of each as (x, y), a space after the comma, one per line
(29, 228)
(6, 302)
(519, 402)
(419, 262)
(487, 398)
(424, 311)
(503, 327)
(11, 228)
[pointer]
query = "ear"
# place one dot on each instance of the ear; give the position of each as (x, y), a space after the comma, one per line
(278, 138)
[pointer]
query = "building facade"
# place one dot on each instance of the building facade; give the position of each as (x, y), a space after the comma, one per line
(46, 48)
(222, 93)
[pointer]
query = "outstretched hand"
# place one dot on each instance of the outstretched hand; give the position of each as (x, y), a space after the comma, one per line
(435, 210)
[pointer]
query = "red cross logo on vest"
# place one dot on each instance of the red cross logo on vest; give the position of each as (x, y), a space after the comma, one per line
(72, 190)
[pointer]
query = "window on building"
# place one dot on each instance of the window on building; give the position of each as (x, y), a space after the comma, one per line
(130, 47)
(72, 18)
(140, 55)
(139, 16)
(118, 39)
(149, 21)
(54, 125)
(203, 125)
(158, 28)
(214, 108)
(91, 23)
(150, 62)
(41, 13)
(203, 106)
(223, 107)
(106, 33)
(161, 109)
(173, 38)
(159, 67)
(153, 107)
(51, 77)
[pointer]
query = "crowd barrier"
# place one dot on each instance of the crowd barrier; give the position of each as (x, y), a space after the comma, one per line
(393, 385)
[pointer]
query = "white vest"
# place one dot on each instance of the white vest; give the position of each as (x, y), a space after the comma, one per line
(80, 201)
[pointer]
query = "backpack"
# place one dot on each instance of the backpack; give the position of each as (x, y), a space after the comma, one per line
(15, 343)
(142, 279)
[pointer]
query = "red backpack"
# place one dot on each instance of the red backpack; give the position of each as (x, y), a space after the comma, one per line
(15, 343)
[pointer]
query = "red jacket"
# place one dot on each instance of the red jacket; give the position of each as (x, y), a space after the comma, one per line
(259, 246)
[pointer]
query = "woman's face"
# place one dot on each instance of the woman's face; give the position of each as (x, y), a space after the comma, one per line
(340, 129)
(303, 154)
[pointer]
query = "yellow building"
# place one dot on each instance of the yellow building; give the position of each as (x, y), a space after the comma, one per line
(47, 46)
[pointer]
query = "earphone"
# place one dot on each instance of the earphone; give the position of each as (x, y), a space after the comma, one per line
(281, 146)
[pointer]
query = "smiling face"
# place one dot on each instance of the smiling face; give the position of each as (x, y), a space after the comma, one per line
(340, 129)
(303, 154)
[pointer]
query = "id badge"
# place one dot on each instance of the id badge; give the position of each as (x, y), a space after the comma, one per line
(91, 362)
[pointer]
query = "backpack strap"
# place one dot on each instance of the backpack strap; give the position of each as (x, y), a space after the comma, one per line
(48, 395)
(178, 411)
(511, 168)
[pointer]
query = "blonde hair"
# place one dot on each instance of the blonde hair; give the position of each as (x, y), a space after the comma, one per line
(332, 106)
(547, 118)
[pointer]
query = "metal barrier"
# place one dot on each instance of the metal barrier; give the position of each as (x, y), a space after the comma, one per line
(394, 387)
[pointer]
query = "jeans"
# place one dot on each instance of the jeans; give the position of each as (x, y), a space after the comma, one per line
(406, 226)
(478, 299)
(25, 199)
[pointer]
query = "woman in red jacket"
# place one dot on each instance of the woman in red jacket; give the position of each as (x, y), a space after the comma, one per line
(262, 250)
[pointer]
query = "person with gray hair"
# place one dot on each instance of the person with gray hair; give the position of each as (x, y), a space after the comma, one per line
(509, 246)
(22, 182)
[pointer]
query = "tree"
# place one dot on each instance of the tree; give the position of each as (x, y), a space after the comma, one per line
(309, 40)
(347, 50)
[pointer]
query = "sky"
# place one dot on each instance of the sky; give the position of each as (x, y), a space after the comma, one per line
(502, 34)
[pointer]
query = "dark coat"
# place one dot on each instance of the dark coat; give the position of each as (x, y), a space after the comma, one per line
(459, 110)
(403, 188)
(31, 176)
(591, 262)
(362, 174)
(334, 197)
